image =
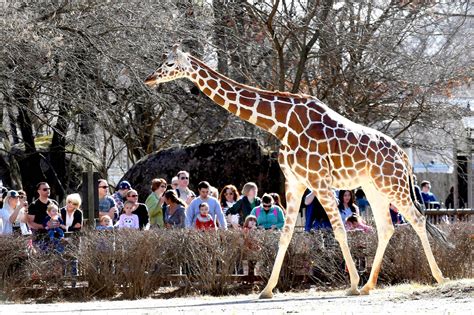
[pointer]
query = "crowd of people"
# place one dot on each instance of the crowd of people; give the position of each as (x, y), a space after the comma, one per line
(175, 205)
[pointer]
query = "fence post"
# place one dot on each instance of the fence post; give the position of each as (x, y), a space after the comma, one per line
(90, 194)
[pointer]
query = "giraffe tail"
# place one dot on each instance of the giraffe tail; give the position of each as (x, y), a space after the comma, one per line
(434, 231)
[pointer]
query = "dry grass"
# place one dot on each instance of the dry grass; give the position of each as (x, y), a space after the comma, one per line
(137, 264)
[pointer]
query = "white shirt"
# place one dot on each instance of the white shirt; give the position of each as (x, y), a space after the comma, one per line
(69, 219)
(7, 225)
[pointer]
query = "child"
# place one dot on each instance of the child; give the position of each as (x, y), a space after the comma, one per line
(105, 224)
(354, 223)
(56, 226)
(204, 220)
(128, 220)
(250, 222)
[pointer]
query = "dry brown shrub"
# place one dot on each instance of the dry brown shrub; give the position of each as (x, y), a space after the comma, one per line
(136, 264)
(210, 258)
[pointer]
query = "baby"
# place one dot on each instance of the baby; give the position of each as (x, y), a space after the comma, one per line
(204, 220)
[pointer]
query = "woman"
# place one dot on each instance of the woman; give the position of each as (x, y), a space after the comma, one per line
(9, 212)
(244, 206)
(155, 202)
(71, 214)
(269, 216)
(140, 209)
(175, 216)
(346, 204)
(228, 197)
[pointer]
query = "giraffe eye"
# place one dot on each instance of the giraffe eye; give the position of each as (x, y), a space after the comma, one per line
(170, 64)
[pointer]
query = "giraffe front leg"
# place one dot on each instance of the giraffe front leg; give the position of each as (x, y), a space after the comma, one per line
(328, 201)
(294, 192)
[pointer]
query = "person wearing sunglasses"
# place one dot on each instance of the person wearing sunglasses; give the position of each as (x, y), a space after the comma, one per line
(37, 211)
(183, 191)
(10, 211)
(120, 196)
(106, 202)
(155, 202)
(71, 213)
(269, 216)
(22, 221)
(140, 209)
(228, 197)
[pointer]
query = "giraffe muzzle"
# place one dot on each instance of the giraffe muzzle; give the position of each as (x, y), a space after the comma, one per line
(150, 80)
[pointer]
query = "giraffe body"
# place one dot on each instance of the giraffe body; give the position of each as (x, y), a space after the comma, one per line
(319, 149)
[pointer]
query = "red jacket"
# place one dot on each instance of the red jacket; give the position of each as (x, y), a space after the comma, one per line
(204, 223)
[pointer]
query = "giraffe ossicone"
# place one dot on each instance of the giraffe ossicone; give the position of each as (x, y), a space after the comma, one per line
(320, 149)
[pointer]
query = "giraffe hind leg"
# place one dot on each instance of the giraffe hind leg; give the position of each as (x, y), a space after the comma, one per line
(418, 222)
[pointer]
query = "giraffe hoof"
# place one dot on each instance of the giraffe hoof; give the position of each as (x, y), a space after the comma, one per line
(365, 291)
(265, 295)
(352, 291)
(443, 280)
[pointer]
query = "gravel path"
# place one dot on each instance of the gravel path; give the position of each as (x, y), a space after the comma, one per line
(456, 297)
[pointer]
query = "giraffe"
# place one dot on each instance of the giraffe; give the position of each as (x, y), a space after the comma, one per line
(320, 149)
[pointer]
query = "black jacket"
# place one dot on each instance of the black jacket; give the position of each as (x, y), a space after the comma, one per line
(243, 208)
(77, 218)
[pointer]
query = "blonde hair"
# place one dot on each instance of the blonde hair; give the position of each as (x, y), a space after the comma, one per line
(74, 198)
(102, 219)
(51, 206)
(247, 187)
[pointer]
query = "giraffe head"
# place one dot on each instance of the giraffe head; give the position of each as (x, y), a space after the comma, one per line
(175, 66)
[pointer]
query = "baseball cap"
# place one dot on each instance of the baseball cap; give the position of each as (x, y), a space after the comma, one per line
(13, 193)
(124, 185)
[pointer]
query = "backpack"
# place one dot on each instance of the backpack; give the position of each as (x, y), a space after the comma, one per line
(257, 211)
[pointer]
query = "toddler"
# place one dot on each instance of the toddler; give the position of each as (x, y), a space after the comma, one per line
(355, 223)
(204, 220)
(128, 220)
(56, 226)
(105, 223)
(250, 222)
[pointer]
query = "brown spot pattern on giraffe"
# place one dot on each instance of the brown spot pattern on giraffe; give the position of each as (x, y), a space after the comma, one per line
(295, 123)
(212, 84)
(248, 94)
(203, 74)
(281, 111)
(246, 101)
(245, 113)
(264, 108)
(231, 96)
(219, 100)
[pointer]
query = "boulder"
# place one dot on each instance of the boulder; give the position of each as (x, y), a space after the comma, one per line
(235, 161)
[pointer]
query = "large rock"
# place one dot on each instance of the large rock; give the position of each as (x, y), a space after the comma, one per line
(234, 161)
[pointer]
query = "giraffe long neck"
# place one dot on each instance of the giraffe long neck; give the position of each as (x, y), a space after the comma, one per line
(268, 110)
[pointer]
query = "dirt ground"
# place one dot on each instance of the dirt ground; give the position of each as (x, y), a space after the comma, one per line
(455, 297)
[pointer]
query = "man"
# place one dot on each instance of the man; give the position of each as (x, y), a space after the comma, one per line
(174, 183)
(37, 210)
(119, 196)
(429, 198)
(106, 203)
(215, 209)
(183, 191)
